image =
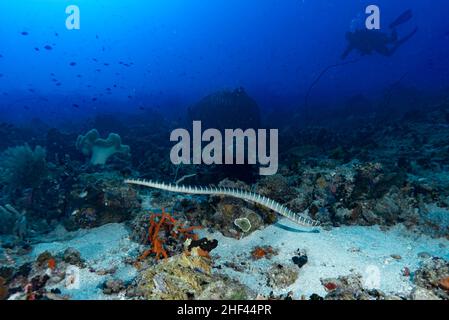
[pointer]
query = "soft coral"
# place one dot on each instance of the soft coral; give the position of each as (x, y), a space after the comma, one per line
(164, 222)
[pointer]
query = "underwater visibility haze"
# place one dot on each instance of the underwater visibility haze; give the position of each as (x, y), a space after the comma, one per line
(224, 150)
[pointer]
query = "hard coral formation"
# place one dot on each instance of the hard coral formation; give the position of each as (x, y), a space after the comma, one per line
(189, 277)
(180, 277)
(41, 278)
(100, 150)
(351, 288)
(282, 276)
(3, 289)
(276, 187)
(229, 209)
(433, 275)
(100, 198)
(13, 221)
(22, 167)
(227, 109)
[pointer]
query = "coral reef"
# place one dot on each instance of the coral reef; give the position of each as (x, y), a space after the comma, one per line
(226, 109)
(349, 175)
(282, 276)
(100, 150)
(351, 288)
(433, 276)
(99, 198)
(22, 167)
(40, 279)
(188, 277)
(13, 221)
(4, 292)
(170, 228)
(230, 192)
(168, 236)
(181, 277)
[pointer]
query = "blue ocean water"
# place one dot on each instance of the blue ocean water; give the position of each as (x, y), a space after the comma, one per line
(110, 179)
(183, 50)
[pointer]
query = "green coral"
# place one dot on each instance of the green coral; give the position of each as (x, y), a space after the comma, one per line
(21, 167)
(243, 223)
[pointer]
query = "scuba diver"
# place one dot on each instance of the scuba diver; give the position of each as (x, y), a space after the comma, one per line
(368, 41)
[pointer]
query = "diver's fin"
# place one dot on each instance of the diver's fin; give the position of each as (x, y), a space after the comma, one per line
(402, 41)
(407, 37)
(403, 18)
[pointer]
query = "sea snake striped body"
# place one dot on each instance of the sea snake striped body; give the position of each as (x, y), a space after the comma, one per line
(237, 193)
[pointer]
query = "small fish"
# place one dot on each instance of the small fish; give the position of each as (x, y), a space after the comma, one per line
(31, 90)
(56, 34)
(72, 64)
(36, 49)
(59, 84)
(106, 64)
(94, 99)
(98, 70)
(108, 89)
(79, 76)
(141, 108)
(48, 47)
(52, 74)
(95, 59)
(75, 105)
(1, 56)
(1, 75)
(96, 36)
(24, 33)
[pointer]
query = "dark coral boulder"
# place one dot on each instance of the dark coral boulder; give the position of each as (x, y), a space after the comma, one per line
(226, 110)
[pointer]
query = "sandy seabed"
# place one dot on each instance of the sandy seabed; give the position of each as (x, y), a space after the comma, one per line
(336, 252)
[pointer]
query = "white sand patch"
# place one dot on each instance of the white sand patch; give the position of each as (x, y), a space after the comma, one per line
(103, 248)
(340, 251)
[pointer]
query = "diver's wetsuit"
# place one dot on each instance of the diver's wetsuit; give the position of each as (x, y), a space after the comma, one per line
(369, 41)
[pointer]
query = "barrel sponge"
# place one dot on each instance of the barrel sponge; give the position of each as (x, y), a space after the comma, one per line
(99, 149)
